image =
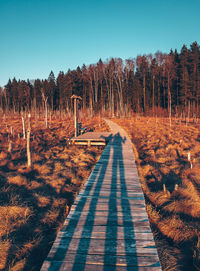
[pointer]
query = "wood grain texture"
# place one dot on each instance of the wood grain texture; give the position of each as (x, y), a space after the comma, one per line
(92, 138)
(107, 227)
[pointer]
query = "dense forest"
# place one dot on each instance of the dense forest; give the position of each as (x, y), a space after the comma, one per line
(148, 84)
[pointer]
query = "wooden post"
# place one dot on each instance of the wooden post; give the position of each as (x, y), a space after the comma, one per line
(170, 110)
(76, 98)
(188, 119)
(28, 141)
(9, 144)
(75, 118)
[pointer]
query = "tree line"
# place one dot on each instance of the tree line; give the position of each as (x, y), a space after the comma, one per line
(145, 84)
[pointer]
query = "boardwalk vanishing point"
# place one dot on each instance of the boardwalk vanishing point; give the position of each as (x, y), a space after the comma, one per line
(107, 227)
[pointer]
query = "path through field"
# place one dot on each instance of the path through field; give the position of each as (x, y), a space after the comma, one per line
(107, 227)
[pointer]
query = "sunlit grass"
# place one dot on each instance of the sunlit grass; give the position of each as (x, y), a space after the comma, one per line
(35, 200)
(168, 164)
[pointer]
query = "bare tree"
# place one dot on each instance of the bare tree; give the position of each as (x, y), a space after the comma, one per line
(154, 73)
(159, 56)
(45, 100)
(119, 76)
(84, 79)
(100, 67)
(28, 141)
(169, 69)
(91, 92)
(109, 75)
(143, 66)
(130, 95)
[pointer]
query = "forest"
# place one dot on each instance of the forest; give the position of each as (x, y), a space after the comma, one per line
(148, 84)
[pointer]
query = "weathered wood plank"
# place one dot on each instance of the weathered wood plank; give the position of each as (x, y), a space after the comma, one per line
(63, 266)
(100, 232)
(91, 138)
(94, 135)
(123, 260)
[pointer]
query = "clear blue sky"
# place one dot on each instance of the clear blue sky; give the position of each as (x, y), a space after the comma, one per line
(37, 36)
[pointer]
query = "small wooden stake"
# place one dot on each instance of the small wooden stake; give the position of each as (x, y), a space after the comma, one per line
(164, 188)
(10, 145)
(176, 187)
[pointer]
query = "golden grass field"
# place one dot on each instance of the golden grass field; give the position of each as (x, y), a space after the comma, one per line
(34, 201)
(168, 160)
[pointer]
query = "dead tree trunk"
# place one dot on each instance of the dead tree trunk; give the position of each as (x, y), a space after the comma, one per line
(144, 93)
(23, 127)
(45, 99)
(170, 110)
(28, 141)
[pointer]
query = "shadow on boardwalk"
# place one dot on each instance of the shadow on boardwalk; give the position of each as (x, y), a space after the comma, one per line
(99, 233)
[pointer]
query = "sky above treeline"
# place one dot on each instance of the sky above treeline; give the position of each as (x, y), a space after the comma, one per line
(37, 36)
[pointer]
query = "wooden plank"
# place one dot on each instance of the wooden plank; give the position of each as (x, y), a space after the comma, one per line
(107, 227)
(99, 232)
(88, 143)
(94, 136)
(99, 259)
(63, 266)
(91, 138)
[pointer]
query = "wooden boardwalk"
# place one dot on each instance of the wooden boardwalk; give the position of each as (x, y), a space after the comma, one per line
(107, 227)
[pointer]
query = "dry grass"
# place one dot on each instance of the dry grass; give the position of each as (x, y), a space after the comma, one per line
(36, 200)
(169, 168)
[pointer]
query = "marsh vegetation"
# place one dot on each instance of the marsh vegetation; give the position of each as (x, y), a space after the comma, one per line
(168, 160)
(35, 200)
